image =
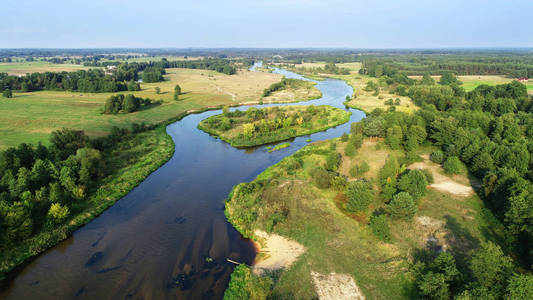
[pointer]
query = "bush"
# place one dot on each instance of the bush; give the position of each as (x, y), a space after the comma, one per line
(338, 183)
(245, 285)
(453, 165)
(344, 137)
(402, 206)
(321, 178)
(356, 140)
(414, 182)
(437, 157)
(429, 175)
(359, 169)
(359, 196)
(333, 161)
(380, 227)
(350, 150)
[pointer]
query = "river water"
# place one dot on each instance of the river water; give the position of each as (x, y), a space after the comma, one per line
(153, 243)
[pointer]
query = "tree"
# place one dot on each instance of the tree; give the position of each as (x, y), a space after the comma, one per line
(427, 80)
(248, 129)
(434, 286)
(177, 92)
(359, 194)
(453, 165)
(58, 213)
(131, 104)
(349, 150)
(402, 206)
(7, 93)
(447, 78)
(437, 156)
(491, 268)
(520, 287)
(157, 90)
(67, 141)
(359, 169)
(321, 177)
(394, 137)
(414, 182)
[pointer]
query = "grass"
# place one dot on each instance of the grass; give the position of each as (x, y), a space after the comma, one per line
(22, 68)
(340, 242)
(324, 117)
(31, 117)
(132, 161)
(296, 90)
(280, 146)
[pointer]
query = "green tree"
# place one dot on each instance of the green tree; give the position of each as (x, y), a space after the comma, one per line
(58, 213)
(177, 92)
(350, 150)
(245, 285)
(157, 90)
(379, 224)
(491, 268)
(359, 194)
(7, 93)
(447, 78)
(394, 137)
(414, 182)
(402, 206)
(453, 165)
(520, 287)
(434, 286)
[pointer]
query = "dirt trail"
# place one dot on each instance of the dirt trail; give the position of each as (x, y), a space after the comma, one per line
(442, 182)
(276, 252)
(336, 287)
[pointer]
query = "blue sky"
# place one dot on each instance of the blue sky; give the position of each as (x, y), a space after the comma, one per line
(266, 23)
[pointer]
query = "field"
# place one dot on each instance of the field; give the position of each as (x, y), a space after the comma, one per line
(342, 243)
(22, 68)
(31, 117)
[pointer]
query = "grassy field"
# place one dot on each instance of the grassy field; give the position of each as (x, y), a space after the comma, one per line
(31, 117)
(322, 118)
(340, 242)
(22, 68)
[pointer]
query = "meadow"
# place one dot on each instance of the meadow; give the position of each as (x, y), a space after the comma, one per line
(23, 68)
(31, 117)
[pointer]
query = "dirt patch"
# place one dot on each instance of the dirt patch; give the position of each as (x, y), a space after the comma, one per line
(442, 182)
(276, 252)
(336, 287)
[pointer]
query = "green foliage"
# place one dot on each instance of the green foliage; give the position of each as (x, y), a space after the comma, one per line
(344, 137)
(379, 224)
(359, 194)
(152, 74)
(58, 213)
(359, 169)
(414, 182)
(491, 268)
(453, 165)
(127, 104)
(437, 156)
(350, 150)
(321, 178)
(7, 93)
(520, 287)
(245, 285)
(374, 126)
(402, 206)
(394, 137)
(428, 175)
(333, 160)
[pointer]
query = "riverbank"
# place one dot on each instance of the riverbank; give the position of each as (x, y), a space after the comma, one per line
(269, 125)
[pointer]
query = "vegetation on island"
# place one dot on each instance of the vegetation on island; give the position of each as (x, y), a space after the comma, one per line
(261, 126)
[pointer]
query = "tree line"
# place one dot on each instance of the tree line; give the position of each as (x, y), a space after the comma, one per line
(125, 104)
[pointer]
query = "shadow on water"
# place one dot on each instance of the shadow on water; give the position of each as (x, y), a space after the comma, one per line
(168, 238)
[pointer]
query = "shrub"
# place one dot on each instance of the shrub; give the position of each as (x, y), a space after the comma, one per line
(359, 169)
(359, 196)
(349, 150)
(333, 161)
(245, 285)
(429, 175)
(356, 140)
(402, 206)
(380, 227)
(321, 178)
(437, 156)
(414, 182)
(453, 165)
(58, 213)
(338, 183)
(344, 137)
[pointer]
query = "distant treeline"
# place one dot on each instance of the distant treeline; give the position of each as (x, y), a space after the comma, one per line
(220, 65)
(437, 65)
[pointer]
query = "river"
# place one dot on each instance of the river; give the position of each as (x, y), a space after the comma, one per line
(155, 242)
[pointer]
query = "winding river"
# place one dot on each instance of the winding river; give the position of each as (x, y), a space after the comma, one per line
(155, 243)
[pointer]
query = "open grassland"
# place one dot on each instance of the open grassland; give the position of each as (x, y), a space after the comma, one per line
(268, 125)
(300, 91)
(341, 242)
(23, 68)
(31, 117)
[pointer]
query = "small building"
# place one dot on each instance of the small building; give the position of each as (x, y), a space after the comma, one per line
(523, 79)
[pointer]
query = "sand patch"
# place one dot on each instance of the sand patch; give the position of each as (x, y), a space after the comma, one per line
(442, 182)
(276, 252)
(336, 287)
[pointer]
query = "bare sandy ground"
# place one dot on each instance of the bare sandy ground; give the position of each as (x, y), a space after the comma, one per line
(276, 252)
(336, 287)
(442, 182)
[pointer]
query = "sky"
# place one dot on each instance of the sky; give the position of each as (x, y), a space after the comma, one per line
(266, 24)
